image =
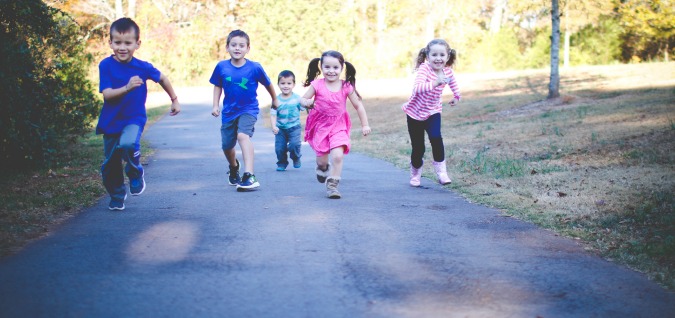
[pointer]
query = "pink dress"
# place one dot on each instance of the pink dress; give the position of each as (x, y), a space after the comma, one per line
(328, 123)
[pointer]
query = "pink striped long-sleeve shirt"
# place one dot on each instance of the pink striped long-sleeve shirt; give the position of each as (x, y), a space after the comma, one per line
(426, 99)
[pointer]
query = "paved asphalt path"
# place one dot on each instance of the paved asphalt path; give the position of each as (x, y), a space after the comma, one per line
(191, 246)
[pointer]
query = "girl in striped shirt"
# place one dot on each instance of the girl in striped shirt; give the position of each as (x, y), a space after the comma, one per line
(423, 109)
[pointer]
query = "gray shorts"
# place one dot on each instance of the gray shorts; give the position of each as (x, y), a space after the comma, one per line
(244, 124)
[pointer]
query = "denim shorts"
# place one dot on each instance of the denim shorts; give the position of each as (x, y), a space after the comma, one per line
(244, 124)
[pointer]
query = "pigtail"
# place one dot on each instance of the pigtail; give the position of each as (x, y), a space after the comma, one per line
(312, 71)
(421, 57)
(452, 57)
(350, 74)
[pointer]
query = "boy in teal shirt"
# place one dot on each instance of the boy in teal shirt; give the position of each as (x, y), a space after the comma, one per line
(286, 122)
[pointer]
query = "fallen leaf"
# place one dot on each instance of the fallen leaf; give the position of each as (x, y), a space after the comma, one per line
(562, 194)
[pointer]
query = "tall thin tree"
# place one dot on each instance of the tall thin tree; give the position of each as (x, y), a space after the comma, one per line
(554, 84)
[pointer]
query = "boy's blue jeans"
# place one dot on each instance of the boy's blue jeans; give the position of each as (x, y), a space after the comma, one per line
(117, 147)
(287, 141)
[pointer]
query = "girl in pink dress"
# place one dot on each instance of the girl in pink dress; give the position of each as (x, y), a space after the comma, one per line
(328, 124)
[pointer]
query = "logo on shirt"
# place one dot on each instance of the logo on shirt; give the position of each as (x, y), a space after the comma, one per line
(242, 84)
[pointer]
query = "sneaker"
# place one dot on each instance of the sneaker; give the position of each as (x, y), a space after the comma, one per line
(297, 164)
(281, 168)
(117, 204)
(234, 178)
(248, 182)
(137, 185)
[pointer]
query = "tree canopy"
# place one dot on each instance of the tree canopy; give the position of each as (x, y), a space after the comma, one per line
(381, 37)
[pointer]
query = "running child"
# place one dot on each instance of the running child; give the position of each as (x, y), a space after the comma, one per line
(286, 122)
(238, 78)
(328, 124)
(122, 83)
(423, 109)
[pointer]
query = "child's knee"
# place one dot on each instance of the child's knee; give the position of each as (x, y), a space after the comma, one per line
(243, 136)
(129, 146)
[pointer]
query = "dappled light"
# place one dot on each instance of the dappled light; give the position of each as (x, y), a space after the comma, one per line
(163, 243)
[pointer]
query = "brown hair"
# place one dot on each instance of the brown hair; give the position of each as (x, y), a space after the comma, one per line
(313, 69)
(424, 53)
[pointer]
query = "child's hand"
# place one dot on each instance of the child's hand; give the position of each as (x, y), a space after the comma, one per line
(275, 130)
(215, 111)
(441, 79)
(175, 108)
(453, 102)
(365, 130)
(134, 82)
(307, 103)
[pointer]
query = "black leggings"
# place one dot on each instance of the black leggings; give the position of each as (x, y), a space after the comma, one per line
(416, 129)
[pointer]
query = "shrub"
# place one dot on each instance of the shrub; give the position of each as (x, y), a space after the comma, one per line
(47, 99)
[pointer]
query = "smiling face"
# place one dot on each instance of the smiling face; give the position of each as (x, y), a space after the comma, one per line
(124, 45)
(286, 85)
(438, 56)
(237, 48)
(331, 68)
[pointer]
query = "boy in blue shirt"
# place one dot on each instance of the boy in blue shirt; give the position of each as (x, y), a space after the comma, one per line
(286, 122)
(123, 117)
(239, 78)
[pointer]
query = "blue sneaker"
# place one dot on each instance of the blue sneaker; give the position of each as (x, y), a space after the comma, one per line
(281, 168)
(297, 164)
(234, 178)
(117, 204)
(137, 185)
(248, 182)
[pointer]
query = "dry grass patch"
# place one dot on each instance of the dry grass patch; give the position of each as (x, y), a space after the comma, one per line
(596, 164)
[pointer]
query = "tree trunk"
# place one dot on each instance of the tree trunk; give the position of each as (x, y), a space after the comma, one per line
(132, 9)
(566, 54)
(381, 26)
(554, 84)
(497, 16)
(119, 10)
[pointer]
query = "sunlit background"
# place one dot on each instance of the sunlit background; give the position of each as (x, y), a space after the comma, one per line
(381, 38)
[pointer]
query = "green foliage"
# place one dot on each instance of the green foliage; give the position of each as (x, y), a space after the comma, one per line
(499, 51)
(47, 100)
(539, 54)
(286, 35)
(649, 29)
(597, 44)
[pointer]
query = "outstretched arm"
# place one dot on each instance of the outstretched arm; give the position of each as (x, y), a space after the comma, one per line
(273, 94)
(306, 101)
(361, 111)
(166, 85)
(217, 90)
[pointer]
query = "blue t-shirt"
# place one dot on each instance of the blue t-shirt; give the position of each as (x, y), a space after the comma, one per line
(288, 112)
(239, 85)
(130, 108)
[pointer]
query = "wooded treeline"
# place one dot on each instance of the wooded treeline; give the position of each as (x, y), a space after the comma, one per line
(186, 37)
(50, 49)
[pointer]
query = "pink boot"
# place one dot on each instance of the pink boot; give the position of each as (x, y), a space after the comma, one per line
(415, 176)
(441, 172)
